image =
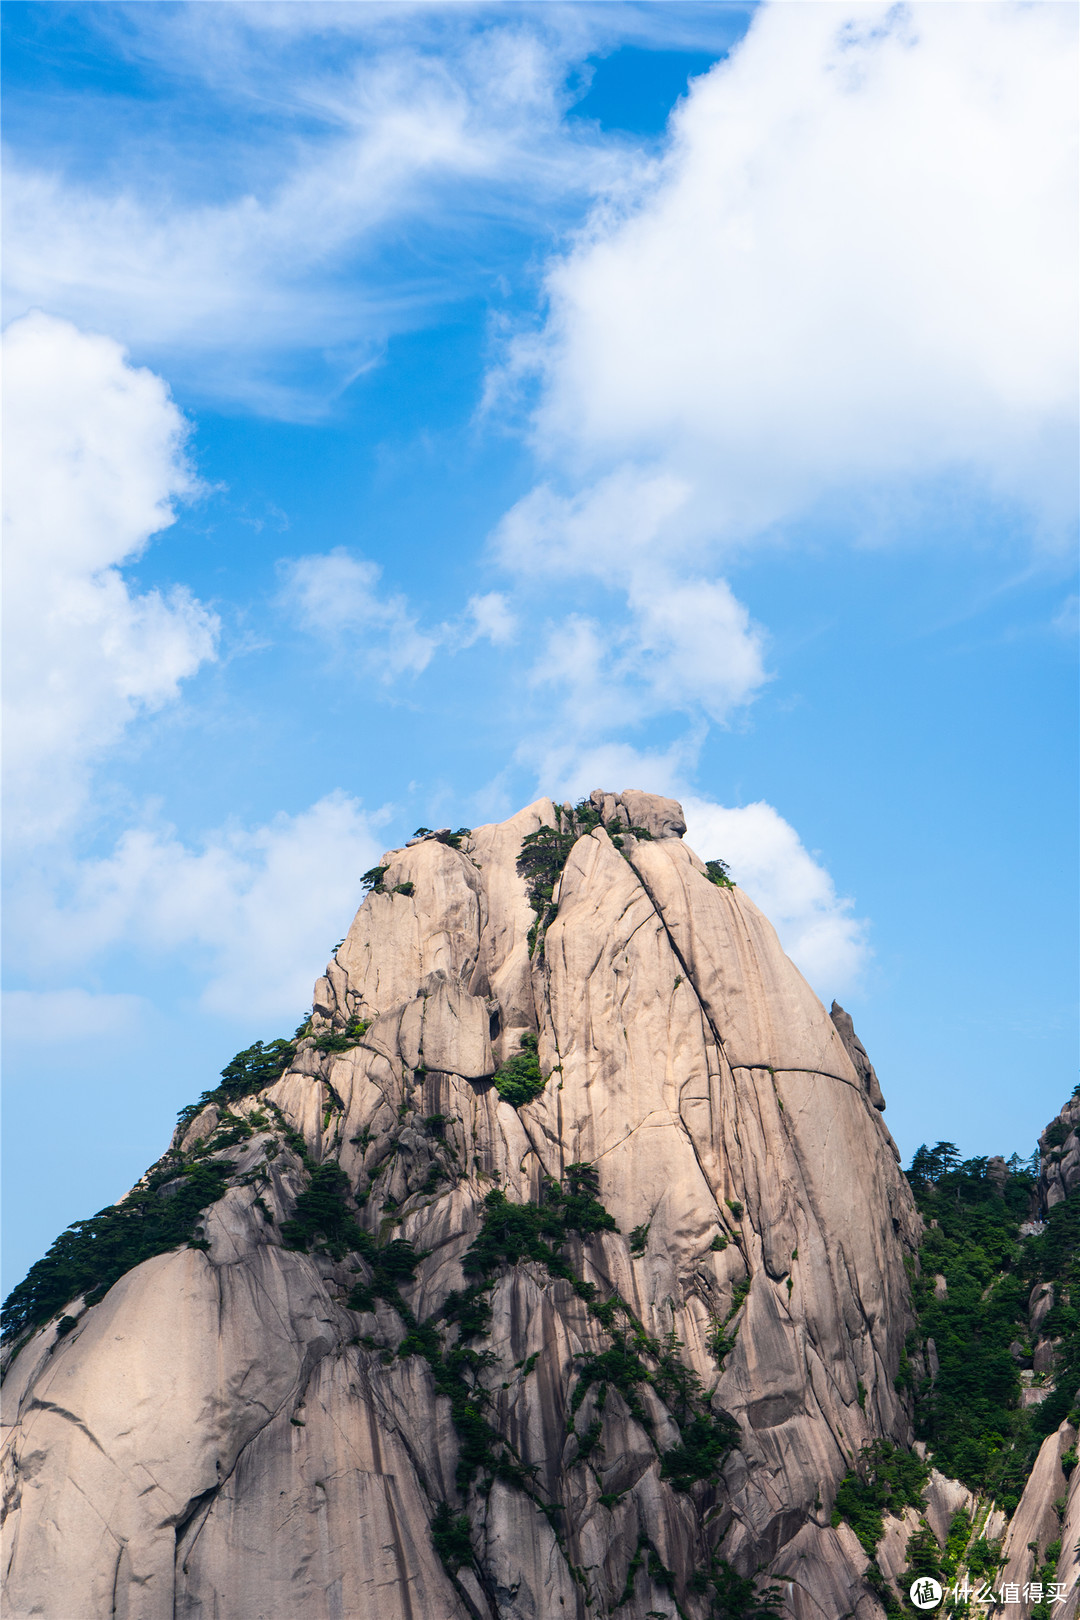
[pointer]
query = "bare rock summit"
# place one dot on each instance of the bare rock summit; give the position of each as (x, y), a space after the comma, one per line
(554, 1269)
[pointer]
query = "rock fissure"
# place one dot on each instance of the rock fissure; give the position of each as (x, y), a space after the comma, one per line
(688, 976)
(70, 1417)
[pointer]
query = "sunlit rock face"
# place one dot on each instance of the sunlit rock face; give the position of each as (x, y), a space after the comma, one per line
(1059, 1157)
(253, 1431)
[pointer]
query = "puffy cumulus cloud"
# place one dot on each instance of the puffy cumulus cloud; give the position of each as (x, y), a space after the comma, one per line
(682, 645)
(603, 529)
(766, 856)
(694, 644)
(256, 909)
(568, 770)
(768, 859)
(490, 618)
(93, 464)
(335, 596)
(855, 265)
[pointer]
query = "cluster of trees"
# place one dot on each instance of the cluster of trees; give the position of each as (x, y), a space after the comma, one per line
(970, 1413)
(930, 1165)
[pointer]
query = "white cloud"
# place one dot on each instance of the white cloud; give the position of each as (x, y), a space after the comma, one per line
(566, 769)
(412, 127)
(767, 859)
(684, 645)
(490, 619)
(335, 596)
(764, 852)
(47, 1018)
(693, 644)
(604, 529)
(851, 274)
(256, 911)
(855, 265)
(93, 463)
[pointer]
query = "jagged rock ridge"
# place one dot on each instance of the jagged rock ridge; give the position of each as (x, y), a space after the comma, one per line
(251, 1430)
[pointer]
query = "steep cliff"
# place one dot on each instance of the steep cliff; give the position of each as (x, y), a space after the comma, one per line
(555, 1269)
(994, 1370)
(1042, 1543)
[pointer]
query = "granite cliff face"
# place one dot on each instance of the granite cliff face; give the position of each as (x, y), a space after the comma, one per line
(1043, 1536)
(608, 1352)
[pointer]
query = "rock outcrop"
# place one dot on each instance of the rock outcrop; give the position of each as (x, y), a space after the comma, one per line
(1059, 1157)
(1042, 1543)
(856, 1051)
(1037, 1526)
(456, 1387)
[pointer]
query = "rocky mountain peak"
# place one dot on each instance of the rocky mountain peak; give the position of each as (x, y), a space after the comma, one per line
(555, 1267)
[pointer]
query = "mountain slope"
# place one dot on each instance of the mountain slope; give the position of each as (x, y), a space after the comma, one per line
(560, 1271)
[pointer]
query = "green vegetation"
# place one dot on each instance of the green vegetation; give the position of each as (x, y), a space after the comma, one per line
(372, 880)
(983, 1558)
(720, 1341)
(923, 1552)
(1054, 1256)
(343, 1040)
(732, 1596)
(512, 1233)
(956, 1542)
(162, 1213)
(518, 1081)
(1057, 1133)
(735, 1597)
(707, 1438)
(249, 1071)
(544, 853)
(717, 872)
(970, 1414)
(886, 1480)
(451, 1534)
(323, 1219)
(515, 1232)
(322, 1215)
(453, 839)
(639, 1238)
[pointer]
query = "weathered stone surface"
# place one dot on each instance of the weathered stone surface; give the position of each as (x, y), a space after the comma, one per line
(1040, 1305)
(820, 1571)
(892, 1548)
(222, 1436)
(944, 1498)
(857, 1053)
(1036, 1519)
(1068, 1569)
(661, 817)
(1059, 1164)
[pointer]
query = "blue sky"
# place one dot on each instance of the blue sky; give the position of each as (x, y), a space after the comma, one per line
(413, 409)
